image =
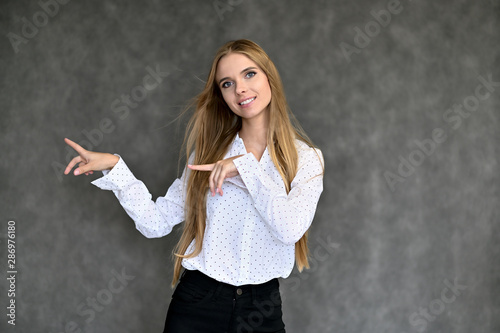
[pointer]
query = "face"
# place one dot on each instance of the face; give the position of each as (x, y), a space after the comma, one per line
(244, 86)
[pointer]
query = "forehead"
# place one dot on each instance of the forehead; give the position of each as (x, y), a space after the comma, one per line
(232, 64)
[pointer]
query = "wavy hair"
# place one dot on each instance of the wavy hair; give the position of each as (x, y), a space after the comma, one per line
(210, 131)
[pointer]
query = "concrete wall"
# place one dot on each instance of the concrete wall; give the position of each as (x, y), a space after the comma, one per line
(395, 93)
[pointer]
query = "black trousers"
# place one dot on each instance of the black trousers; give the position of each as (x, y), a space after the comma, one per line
(201, 304)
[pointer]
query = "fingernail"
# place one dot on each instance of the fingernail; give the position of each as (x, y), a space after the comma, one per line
(77, 172)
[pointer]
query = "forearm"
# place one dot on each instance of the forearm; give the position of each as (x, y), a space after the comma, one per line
(152, 219)
(288, 215)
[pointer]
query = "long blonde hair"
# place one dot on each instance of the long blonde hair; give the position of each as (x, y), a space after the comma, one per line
(210, 131)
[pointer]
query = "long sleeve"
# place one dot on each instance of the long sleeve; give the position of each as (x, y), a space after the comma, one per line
(152, 218)
(288, 215)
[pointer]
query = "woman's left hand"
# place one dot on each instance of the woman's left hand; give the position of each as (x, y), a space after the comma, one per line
(219, 171)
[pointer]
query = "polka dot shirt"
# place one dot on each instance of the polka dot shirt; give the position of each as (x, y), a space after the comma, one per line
(251, 230)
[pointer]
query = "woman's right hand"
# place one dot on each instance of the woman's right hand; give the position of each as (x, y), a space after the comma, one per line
(89, 161)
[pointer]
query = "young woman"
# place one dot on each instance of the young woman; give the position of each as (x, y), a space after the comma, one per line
(247, 198)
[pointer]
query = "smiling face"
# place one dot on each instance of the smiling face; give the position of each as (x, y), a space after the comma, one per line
(244, 86)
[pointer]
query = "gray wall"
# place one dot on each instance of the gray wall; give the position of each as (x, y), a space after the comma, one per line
(397, 225)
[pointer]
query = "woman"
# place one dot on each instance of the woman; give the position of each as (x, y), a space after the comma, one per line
(247, 197)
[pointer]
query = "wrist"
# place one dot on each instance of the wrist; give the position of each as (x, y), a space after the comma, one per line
(113, 160)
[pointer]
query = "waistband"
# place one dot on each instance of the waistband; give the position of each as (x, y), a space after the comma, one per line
(206, 282)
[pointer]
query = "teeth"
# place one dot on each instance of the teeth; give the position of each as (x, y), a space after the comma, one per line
(247, 101)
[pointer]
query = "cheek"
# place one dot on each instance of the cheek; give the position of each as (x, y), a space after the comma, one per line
(266, 89)
(225, 97)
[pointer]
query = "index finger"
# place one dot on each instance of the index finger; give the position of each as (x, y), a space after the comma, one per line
(202, 167)
(79, 149)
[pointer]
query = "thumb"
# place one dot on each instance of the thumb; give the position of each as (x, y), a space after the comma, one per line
(82, 168)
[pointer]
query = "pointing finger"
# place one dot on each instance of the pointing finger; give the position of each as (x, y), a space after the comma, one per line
(201, 167)
(79, 149)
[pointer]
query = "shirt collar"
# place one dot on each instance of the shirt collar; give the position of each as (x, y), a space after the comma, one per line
(238, 148)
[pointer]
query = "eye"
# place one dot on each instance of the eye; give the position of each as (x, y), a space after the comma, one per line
(250, 74)
(226, 84)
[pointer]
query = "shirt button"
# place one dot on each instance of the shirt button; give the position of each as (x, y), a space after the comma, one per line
(239, 291)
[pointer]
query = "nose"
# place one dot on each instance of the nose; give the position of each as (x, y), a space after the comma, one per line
(240, 87)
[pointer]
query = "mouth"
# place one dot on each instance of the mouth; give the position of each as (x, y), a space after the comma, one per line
(247, 101)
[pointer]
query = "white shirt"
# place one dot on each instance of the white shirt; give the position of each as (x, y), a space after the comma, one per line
(251, 230)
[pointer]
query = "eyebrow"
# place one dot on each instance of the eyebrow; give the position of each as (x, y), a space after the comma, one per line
(243, 71)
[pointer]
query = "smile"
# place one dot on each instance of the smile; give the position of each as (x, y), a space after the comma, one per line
(245, 102)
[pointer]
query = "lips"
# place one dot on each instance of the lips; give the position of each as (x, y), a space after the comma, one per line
(247, 101)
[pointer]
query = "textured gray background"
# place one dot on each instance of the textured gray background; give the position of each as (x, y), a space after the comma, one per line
(388, 254)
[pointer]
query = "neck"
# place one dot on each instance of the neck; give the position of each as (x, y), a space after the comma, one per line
(254, 131)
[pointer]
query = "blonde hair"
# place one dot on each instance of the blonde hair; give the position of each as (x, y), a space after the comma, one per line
(210, 131)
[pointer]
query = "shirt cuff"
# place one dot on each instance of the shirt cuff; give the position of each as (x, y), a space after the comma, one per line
(116, 178)
(246, 164)
(260, 186)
